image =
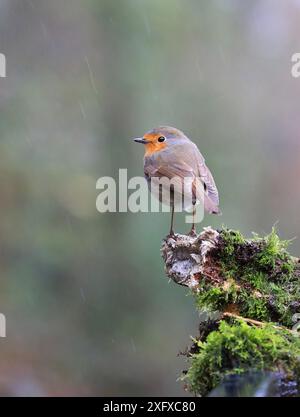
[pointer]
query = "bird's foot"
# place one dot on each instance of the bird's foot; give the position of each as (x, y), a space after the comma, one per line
(192, 232)
(171, 234)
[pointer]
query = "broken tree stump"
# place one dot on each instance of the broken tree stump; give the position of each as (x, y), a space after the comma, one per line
(250, 292)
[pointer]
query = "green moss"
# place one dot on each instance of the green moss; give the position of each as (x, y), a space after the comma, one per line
(261, 275)
(238, 348)
(211, 299)
(232, 238)
(265, 253)
(273, 249)
(258, 279)
(254, 307)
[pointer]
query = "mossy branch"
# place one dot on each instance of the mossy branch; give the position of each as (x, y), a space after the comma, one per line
(246, 283)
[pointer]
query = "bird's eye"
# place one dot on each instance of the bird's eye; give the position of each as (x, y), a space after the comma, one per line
(161, 139)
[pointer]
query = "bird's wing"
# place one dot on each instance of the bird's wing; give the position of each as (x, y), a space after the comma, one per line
(210, 184)
(201, 170)
(193, 158)
(191, 164)
(170, 171)
(159, 169)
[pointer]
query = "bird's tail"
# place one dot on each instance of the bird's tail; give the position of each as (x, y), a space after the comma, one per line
(210, 206)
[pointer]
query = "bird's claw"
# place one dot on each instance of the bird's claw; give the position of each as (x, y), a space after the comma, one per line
(171, 234)
(192, 233)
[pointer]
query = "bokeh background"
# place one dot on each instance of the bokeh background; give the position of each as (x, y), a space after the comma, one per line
(88, 308)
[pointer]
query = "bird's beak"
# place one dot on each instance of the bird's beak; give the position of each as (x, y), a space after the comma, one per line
(141, 140)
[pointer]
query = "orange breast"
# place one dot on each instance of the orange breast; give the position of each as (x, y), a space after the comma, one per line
(153, 147)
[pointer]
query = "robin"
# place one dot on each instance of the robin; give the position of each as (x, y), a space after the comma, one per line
(170, 153)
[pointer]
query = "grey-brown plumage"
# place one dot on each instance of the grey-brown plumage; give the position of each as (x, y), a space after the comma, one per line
(169, 153)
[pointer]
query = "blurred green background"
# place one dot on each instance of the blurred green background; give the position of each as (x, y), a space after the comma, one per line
(89, 310)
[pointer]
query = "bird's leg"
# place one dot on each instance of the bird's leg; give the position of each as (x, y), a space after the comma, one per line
(172, 204)
(172, 220)
(193, 229)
